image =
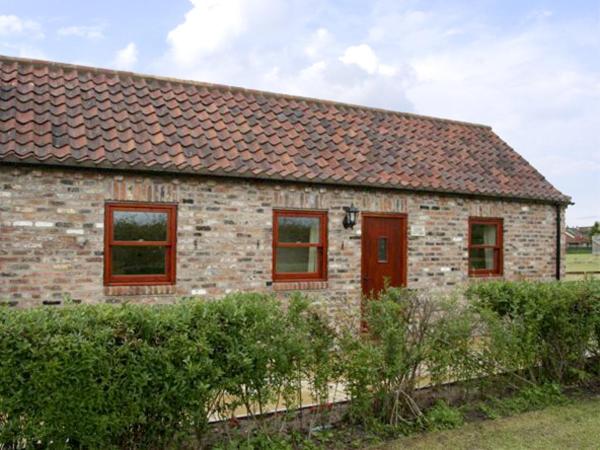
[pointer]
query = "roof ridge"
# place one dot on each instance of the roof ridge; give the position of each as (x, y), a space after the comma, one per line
(237, 89)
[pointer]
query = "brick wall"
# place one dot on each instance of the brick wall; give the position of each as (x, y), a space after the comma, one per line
(51, 235)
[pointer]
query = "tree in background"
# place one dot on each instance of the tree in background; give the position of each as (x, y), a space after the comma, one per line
(595, 229)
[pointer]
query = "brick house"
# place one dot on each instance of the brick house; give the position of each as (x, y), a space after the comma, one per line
(578, 237)
(115, 185)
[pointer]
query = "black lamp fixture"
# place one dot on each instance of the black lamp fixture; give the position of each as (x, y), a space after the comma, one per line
(350, 217)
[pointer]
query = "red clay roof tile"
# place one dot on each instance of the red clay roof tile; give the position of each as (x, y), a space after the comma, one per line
(81, 116)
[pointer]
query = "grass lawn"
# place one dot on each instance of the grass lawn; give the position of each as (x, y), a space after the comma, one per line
(582, 262)
(572, 426)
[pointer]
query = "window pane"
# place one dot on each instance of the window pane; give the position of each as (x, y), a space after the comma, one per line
(382, 249)
(296, 260)
(138, 260)
(139, 226)
(299, 229)
(483, 234)
(482, 258)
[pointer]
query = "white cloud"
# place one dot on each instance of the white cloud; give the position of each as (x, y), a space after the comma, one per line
(364, 57)
(127, 57)
(210, 25)
(87, 32)
(534, 78)
(24, 50)
(540, 95)
(361, 55)
(318, 42)
(21, 37)
(11, 25)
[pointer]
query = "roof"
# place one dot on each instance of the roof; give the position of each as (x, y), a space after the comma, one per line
(578, 235)
(61, 114)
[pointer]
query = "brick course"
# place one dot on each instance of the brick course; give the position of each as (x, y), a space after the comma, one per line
(52, 219)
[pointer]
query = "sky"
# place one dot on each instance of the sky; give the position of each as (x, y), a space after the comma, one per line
(529, 69)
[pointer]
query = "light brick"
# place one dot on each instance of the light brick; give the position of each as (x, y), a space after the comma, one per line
(44, 224)
(225, 236)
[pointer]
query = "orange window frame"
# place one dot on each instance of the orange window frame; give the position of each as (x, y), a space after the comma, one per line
(321, 273)
(498, 268)
(170, 245)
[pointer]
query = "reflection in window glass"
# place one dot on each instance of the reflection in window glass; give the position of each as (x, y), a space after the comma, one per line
(296, 260)
(482, 234)
(139, 226)
(299, 229)
(482, 258)
(138, 260)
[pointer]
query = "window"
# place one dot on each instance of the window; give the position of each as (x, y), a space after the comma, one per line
(485, 246)
(382, 250)
(139, 244)
(299, 245)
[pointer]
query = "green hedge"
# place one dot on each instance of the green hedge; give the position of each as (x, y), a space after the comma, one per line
(152, 376)
(548, 329)
(579, 250)
(146, 377)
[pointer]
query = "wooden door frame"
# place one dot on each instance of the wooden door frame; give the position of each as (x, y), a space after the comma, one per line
(404, 237)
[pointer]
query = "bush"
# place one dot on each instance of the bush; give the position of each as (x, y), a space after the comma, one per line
(443, 417)
(408, 336)
(148, 377)
(543, 331)
(101, 376)
(134, 377)
(527, 399)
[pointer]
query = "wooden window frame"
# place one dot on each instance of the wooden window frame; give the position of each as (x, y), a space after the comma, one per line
(170, 244)
(321, 273)
(498, 269)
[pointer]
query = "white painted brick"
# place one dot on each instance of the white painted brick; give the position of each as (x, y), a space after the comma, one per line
(4, 194)
(99, 225)
(23, 223)
(74, 231)
(44, 224)
(198, 291)
(445, 269)
(417, 230)
(457, 239)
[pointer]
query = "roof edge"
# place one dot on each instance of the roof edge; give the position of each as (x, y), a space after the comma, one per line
(224, 87)
(64, 163)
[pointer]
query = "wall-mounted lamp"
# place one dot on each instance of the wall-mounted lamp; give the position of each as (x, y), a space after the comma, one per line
(350, 217)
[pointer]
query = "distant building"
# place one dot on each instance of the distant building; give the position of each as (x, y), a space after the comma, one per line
(578, 237)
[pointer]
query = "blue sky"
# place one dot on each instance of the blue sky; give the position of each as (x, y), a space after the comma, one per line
(531, 69)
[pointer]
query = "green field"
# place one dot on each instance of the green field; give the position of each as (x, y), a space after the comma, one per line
(572, 426)
(582, 262)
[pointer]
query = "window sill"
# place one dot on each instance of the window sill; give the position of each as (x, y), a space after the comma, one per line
(291, 285)
(486, 275)
(158, 289)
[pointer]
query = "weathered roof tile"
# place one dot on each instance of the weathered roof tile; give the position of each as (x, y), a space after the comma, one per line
(81, 116)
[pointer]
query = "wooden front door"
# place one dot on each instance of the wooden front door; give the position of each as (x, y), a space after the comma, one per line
(384, 251)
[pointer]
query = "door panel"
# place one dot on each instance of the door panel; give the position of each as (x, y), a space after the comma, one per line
(383, 252)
